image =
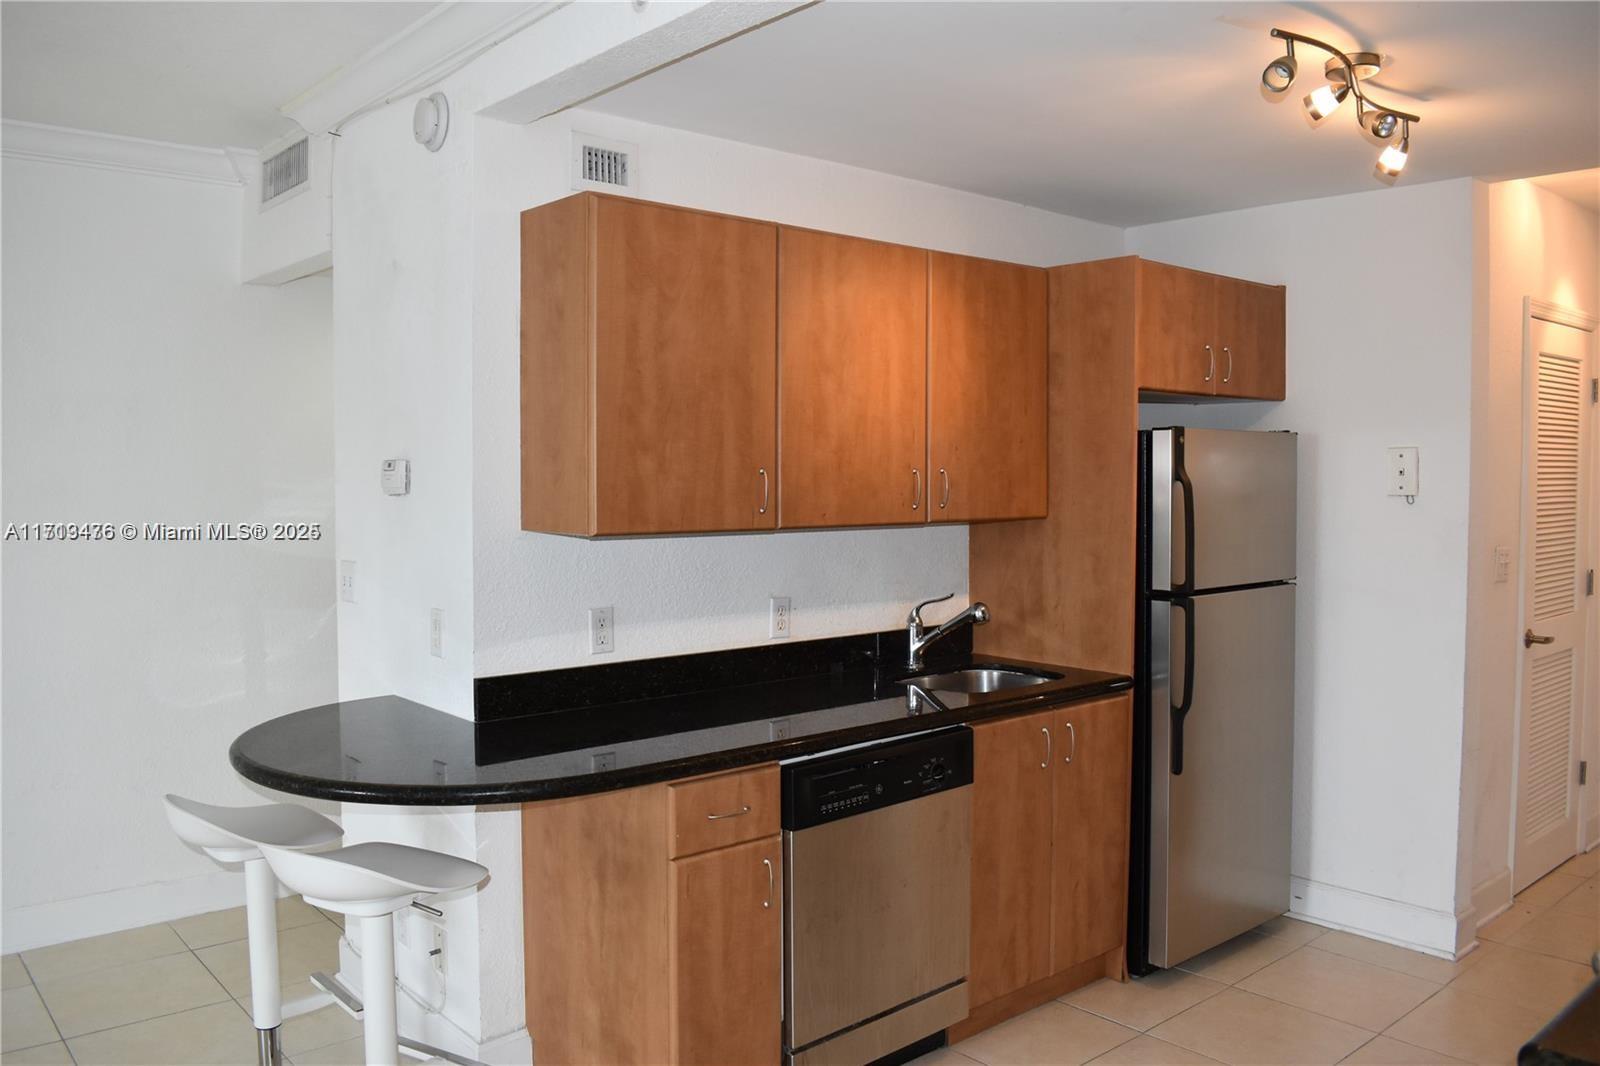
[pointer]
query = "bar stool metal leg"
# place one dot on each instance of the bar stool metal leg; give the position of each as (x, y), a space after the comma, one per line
(261, 916)
(380, 1030)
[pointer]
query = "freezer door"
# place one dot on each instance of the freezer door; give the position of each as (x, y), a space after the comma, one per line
(1219, 826)
(1237, 487)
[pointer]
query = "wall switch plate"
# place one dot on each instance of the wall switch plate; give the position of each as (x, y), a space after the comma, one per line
(778, 618)
(436, 633)
(396, 479)
(1502, 564)
(347, 581)
(601, 637)
(1403, 471)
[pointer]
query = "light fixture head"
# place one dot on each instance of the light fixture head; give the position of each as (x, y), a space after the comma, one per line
(1365, 64)
(1393, 159)
(1383, 124)
(1280, 73)
(1325, 100)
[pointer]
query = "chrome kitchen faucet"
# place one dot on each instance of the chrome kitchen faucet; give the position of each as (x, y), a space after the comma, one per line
(977, 614)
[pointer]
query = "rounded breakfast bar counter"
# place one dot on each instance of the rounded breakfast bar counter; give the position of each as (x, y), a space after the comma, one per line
(388, 750)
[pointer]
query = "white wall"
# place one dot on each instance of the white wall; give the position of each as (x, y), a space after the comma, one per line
(1543, 246)
(142, 383)
(1380, 346)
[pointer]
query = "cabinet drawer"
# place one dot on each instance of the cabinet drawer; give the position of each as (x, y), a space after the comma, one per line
(713, 812)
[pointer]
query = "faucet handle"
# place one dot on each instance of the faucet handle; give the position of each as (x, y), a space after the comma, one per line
(916, 612)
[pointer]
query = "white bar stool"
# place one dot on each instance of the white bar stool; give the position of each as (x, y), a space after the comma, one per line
(237, 834)
(371, 881)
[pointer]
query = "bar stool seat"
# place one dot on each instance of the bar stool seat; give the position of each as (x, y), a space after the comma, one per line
(371, 881)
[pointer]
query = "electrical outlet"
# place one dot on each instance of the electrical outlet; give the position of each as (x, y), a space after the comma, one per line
(1402, 471)
(780, 728)
(778, 618)
(1502, 564)
(601, 637)
(347, 581)
(601, 761)
(436, 633)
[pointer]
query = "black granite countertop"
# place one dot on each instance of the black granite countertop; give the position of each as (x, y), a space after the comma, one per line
(389, 750)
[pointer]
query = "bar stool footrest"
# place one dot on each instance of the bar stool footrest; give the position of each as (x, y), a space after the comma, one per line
(342, 996)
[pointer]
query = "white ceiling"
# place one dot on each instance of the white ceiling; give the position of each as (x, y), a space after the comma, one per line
(1130, 113)
(210, 74)
(1582, 187)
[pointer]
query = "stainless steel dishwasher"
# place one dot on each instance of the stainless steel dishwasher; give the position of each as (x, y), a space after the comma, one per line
(877, 902)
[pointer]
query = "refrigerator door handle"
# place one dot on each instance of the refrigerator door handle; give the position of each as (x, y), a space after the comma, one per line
(1186, 586)
(1180, 708)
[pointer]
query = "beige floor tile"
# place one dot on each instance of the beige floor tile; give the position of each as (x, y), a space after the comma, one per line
(1469, 1027)
(351, 1053)
(1387, 1051)
(1539, 982)
(102, 999)
(43, 1055)
(1148, 1051)
(1239, 958)
(1585, 899)
(1570, 936)
(1350, 990)
(301, 952)
(329, 1025)
(14, 974)
(1508, 921)
(1144, 1001)
(1585, 865)
(1291, 929)
(1052, 1035)
(220, 927)
(214, 1035)
(1390, 957)
(945, 1056)
(1548, 889)
(102, 952)
(24, 1022)
(1240, 1027)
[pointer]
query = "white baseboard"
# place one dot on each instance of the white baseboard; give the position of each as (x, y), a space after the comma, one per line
(1591, 835)
(1433, 932)
(43, 924)
(1492, 898)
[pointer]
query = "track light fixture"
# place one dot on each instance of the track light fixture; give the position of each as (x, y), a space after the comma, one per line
(1345, 72)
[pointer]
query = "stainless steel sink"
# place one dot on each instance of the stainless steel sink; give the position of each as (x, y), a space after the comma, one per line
(979, 679)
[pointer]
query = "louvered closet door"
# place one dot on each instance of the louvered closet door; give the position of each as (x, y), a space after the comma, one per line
(1555, 604)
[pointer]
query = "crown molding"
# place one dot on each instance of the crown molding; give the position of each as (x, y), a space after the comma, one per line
(110, 151)
(424, 52)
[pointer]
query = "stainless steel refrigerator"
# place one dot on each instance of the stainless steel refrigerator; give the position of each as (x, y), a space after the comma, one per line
(1214, 704)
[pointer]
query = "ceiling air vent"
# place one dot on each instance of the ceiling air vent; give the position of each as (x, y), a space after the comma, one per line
(285, 171)
(609, 166)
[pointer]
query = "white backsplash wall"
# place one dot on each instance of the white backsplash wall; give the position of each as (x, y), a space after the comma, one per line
(680, 594)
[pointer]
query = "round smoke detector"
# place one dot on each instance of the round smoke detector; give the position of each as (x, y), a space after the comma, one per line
(431, 121)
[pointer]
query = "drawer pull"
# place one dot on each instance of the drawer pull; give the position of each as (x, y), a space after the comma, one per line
(767, 903)
(1046, 733)
(731, 814)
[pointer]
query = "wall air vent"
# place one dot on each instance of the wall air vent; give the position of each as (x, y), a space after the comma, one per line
(606, 166)
(285, 171)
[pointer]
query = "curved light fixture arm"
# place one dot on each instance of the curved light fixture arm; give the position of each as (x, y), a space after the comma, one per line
(1362, 100)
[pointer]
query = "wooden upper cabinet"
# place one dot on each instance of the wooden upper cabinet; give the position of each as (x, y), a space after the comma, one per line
(1250, 325)
(987, 358)
(1094, 764)
(648, 369)
(852, 381)
(1176, 330)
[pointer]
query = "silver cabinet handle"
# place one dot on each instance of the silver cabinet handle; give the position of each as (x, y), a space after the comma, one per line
(764, 486)
(1046, 733)
(916, 490)
(1211, 363)
(944, 500)
(1228, 374)
(1072, 743)
(731, 814)
(766, 904)
(1530, 638)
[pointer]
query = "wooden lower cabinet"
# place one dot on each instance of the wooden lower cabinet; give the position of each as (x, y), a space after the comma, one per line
(1050, 855)
(634, 956)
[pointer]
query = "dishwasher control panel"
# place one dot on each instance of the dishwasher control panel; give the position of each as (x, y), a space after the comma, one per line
(853, 782)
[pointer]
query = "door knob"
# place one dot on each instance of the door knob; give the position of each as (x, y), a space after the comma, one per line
(1530, 638)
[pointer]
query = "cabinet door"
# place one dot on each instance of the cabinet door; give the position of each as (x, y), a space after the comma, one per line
(1011, 847)
(727, 924)
(1093, 766)
(1176, 345)
(986, 389)
(852, 390)
(685, 369)
(1250, 325)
